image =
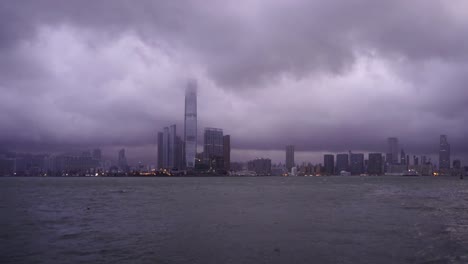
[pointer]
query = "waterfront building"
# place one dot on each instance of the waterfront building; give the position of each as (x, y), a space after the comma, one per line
(357, 163)
(342, 162)
(190, 124)
(444, 154)
(227, 152)
(375, 164)
(289, 157)
(213, 148)
(122, 160)
(261, 167)
(160, 150)
(392, 150)
(329, 164)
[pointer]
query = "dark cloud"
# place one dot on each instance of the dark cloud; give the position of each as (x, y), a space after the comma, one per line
(324, 75)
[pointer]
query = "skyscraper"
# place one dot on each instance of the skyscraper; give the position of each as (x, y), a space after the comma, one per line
(342, 162)
(190, 124)
(357, 163)
(329, 164)
(375, 164)
(213, 150)
(97, 154)
(444, 154)
(393, 150)
(122, 160)
(227, 152)
(289, 157)
(160, 150)
(168, 148)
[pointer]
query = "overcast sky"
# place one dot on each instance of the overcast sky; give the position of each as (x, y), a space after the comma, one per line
(324, 75)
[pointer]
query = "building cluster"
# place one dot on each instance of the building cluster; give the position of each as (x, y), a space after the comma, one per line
(87, 163)
(394, 162)
(44, 164)
(178, 155)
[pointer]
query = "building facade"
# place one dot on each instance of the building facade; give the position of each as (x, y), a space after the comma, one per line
(444, 154)
(227, 152)
(375, 166)
(392, 150)
(357, 163)
(213, 150)
(289, 157)
(329, 164)
(190, 124)
(342, 162)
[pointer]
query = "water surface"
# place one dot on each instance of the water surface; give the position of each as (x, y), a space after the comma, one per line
(234, 220)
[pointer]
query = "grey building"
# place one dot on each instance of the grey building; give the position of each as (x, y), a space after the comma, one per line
(357, 163)
(444, 154)
(170, 149)
(329, 164)
(260, 166)
(190, 124)
(160, 150)
(375, 166)
(393, 150)
(122, 160)
(227, 152)
(342, 162)
(213, 147)
(289, 157)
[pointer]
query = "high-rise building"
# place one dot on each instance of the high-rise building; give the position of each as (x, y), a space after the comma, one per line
(444, 154)
(403, 157)
(122, 160)
(357, 163)
(393, 150)
(289, 157)
(213, 147)
(190, 123)
(97, 154)
(342, 162)
(375, 164)
(172, 147)
(169, 152)
(160, 150)
(260, 166)
(227, 152)
(329, 164)
(457, 164)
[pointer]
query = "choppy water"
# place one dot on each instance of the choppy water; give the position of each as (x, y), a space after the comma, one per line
(234, 220)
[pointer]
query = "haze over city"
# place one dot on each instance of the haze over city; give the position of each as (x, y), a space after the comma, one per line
(324, 77)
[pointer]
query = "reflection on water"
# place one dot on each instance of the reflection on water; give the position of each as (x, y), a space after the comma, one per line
(234, 220)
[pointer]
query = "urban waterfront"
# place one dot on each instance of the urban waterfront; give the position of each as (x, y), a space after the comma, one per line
(372, 219)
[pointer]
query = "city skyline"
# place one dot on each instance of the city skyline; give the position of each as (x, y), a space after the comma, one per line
(75, 79)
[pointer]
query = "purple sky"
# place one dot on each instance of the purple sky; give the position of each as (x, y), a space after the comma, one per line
(324, 75)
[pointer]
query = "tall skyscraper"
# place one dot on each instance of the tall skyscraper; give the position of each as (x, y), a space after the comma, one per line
(375, 164)
(444, 154)
(97, 154)
(393, 150)
(342, 162)
(190, 123)
(160, 150)
(403, 157)
(169, 153)
(122, 160)
(213, 150)
(357, 163)
(329, 164)
(172, 147)
(227, 152)
(289, 157)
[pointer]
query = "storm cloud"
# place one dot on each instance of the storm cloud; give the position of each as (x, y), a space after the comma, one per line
(326, 76)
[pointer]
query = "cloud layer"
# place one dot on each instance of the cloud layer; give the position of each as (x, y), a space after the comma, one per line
(326, 76)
